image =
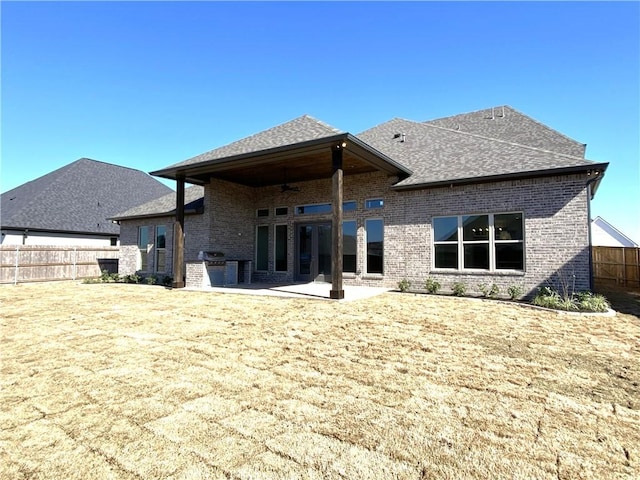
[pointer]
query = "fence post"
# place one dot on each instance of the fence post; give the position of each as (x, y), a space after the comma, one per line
(15, 277)
(75, 264)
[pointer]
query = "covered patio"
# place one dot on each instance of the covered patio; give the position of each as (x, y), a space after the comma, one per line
(328, 157)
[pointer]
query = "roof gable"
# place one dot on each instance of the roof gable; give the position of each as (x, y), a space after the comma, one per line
(440, 155)
(166, 205)
(506, 123)
(79, 197)
(298, 130)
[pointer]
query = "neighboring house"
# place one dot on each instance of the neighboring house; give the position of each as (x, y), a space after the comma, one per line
(603, 234)
(485, 197)
(72, 205)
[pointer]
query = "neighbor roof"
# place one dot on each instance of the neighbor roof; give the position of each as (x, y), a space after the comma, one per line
(166, 205)
(438, 155)
(79, 197)
(506, 123)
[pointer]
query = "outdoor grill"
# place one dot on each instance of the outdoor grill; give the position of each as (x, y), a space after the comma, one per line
(221, 271)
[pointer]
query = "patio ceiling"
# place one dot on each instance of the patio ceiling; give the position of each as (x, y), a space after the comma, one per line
(298, 162)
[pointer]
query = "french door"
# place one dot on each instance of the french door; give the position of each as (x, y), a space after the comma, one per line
(313, 252)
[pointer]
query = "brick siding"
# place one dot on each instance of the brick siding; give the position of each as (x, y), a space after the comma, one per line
(554, 209)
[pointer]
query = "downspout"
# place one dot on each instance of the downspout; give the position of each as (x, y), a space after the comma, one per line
(589, 196)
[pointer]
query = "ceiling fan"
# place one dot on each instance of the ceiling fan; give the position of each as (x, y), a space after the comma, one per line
(285, 187)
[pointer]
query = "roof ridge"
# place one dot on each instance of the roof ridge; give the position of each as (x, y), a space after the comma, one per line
(504, 141)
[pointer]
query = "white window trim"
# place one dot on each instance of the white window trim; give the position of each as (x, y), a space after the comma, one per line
(492, 243)
(366, 246)
(275, 210)
(275, 247)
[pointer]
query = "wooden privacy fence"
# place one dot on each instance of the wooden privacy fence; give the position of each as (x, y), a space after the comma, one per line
(619, 265)
(36, 263)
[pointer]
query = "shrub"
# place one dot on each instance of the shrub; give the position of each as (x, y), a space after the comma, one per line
(582, 301)
(515, 292)
(404, 285)
(592, 302)
(459, 289)
(150, 280)
(133, 278)
(431, 285)
(167, 281)
(489, 291)
(107, 277)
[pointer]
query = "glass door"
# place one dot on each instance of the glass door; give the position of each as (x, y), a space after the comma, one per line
(313, 247)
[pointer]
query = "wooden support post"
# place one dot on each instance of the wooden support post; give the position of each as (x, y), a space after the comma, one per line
(178, 237)
(337, 291)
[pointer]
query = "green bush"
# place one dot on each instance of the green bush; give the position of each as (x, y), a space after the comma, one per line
(150, 280)
(489, 291)
(431, 285)
(133, 278)
(583, 301)
(459, 289)
(167, 281)
(107, 277)
(404, 285)
(515, 292)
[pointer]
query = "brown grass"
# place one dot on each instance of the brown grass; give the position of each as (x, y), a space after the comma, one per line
(126, 381)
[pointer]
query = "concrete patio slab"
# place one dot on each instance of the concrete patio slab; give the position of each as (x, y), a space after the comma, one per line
(299, 290)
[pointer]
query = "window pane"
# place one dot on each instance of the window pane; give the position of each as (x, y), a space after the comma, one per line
(311, 209)
(262, 247)
(349, 206)
(375, 245)
(446, 256)
(281, 248)
(263, 212)
(508, 226)
(374, 203)
(161, 236)
(475, 227)
(445, 229)
(161, 261)
(349, 246)
(282, 211)
(143, 237)
(476, 256)
(510, 256)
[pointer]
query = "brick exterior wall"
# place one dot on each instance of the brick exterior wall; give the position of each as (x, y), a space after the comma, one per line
(554, 209)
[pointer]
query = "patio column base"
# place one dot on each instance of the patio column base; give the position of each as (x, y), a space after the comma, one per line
(336, 294)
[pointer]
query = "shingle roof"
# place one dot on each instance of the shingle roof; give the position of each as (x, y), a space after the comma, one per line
(506, 123)
(298, 130)
(166, 205)
(78, 197)
(440, 155)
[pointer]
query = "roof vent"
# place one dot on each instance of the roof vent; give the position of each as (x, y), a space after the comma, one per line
(401, 136)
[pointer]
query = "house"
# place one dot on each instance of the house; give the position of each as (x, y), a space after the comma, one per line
(491, 196)
(72, 205)
(603, 234)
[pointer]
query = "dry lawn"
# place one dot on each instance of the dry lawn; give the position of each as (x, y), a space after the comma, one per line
(140, 382)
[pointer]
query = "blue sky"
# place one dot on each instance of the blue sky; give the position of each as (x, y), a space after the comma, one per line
(149, 84)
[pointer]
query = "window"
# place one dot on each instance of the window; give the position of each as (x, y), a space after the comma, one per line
(374, 203)
(349, 206)
(375, 245)
(349, 246)
(143, 245)
(281, 248)
(113, 241)
(318, 208)
(161, 246)
(282, 211)
(262, 247)
(479, 242)
(262, 212)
